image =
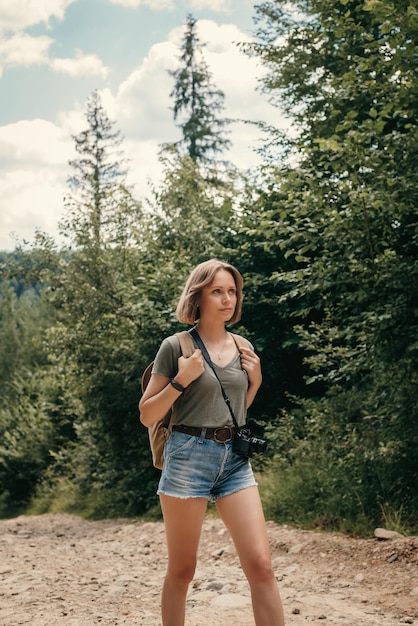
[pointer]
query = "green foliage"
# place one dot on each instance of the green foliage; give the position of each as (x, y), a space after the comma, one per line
(312, 494)
(25, 431)
(268, 318)
(111, 295)
(26, 435)
(341, 222)
(193, 214)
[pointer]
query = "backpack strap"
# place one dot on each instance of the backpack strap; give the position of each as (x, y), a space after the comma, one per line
(146, 376)
(240, 342)
(186, 343)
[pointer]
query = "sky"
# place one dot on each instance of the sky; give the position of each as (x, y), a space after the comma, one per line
(55, 53)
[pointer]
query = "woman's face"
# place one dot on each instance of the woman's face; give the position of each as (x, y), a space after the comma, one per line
(219, 299)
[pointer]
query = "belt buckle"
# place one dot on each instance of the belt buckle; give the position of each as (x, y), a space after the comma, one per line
(215, 437)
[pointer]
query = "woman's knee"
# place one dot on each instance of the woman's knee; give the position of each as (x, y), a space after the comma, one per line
(182, 572)
(259, 569)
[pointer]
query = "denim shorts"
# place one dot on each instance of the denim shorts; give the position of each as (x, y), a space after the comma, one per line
(195, 467)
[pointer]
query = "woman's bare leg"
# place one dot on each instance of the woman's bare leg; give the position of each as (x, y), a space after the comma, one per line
(183, 519)
(243, 515)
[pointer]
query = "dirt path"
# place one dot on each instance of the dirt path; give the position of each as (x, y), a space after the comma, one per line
(61, 570)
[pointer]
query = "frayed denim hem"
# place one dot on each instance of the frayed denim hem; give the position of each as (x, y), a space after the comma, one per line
(212, 499)
(175, 495)
(215, 499)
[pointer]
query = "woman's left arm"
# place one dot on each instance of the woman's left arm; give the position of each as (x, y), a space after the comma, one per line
(250, 362)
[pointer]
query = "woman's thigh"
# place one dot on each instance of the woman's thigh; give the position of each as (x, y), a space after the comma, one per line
(243, 515)
(183, 519)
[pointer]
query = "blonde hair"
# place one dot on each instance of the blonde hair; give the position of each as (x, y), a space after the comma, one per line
(203, 274)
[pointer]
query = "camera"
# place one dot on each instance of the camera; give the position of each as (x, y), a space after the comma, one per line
(245, 445)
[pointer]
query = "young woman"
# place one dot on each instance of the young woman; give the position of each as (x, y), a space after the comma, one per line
(199, 464)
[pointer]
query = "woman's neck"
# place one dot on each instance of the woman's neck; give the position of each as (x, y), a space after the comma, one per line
(212, 332)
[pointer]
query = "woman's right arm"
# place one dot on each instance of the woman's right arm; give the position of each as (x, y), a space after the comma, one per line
(156, 400)
(160, 395)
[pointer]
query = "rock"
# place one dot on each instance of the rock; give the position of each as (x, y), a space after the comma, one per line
(217, 554)
(230, 600)
(203, 596)
(297, 549)
(382, 533)
(214, 586)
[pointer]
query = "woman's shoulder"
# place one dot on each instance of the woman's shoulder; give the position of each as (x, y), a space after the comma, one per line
(171, 339)
(170, 342)
(173, 344)
(167, 355)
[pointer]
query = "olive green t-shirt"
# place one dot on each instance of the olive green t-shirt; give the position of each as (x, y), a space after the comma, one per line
(202, 404)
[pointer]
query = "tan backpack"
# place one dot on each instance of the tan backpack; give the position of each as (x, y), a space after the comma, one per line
(159, 432)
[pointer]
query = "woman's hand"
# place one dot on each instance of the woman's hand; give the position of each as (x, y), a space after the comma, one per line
(190, 368)
(159, 395)
(251, 364)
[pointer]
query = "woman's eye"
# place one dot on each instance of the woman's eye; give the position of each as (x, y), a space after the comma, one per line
(231, 292)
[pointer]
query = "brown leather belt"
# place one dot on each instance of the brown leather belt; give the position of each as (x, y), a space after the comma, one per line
(220, 435)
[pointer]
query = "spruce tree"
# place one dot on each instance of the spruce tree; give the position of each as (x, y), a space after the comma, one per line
(197, 102)
(97, 184)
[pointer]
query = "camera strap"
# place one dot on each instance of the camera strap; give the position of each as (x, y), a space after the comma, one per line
(208, 360)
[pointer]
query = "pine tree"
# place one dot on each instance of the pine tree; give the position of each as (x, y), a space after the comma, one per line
(97, 185)
(197, 103)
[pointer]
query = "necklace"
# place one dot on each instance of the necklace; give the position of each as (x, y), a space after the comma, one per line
(219, 352)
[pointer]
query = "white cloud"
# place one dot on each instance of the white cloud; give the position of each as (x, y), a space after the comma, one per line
(81, 65)
(35, 155)
(234, 72)
(33, 199)
(35, 142)
(157, 5)
(142, 103)
(214, 5)
(17, 15)
(22, 49)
